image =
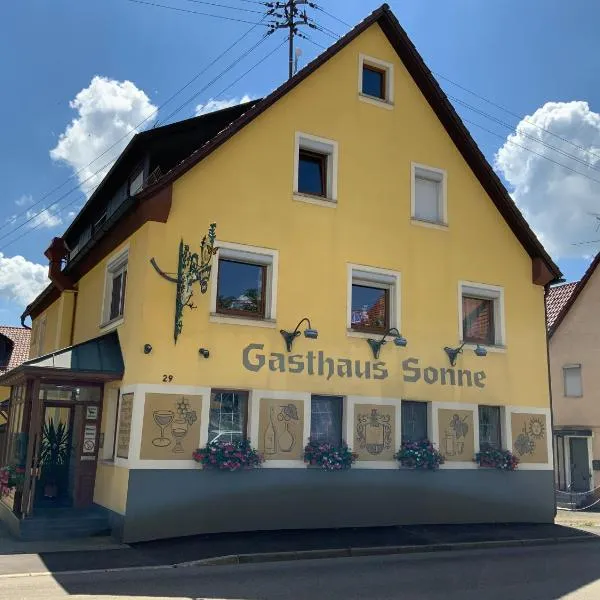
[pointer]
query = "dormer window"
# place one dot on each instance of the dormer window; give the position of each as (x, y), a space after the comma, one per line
(136, 182)
(6, 348)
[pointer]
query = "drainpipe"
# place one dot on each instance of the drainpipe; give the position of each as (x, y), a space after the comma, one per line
(546, 288)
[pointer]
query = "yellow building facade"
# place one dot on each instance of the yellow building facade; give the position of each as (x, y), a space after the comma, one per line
(354, 198)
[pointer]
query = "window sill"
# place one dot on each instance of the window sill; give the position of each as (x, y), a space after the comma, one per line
(376, 101)
(500, 349)
(234, 320)
(318, 200)
(429, 224)
(364, 334)
(112, 324)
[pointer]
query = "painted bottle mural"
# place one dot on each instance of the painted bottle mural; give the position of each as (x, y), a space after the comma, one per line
(286, 439)
(270, 436)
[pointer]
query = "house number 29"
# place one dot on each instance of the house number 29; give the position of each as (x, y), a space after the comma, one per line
(167, 378)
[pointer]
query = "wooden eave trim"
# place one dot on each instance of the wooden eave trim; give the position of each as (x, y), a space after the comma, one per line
(155, 208)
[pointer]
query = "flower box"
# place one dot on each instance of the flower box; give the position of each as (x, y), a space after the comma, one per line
(328, 457)
(493, 458)
(422, 455)
(228, 456)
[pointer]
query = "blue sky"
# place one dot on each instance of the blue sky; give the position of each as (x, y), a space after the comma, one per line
(537, 58)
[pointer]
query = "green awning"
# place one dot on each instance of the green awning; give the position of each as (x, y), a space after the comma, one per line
(102, 355)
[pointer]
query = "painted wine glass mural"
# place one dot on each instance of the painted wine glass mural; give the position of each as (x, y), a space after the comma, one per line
(162, 418)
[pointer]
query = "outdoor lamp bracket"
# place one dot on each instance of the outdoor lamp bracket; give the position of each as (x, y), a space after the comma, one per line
(290, 336)
(454, 352)
(399, 340)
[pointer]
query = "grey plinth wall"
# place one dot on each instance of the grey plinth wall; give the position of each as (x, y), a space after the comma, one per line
(171, 503)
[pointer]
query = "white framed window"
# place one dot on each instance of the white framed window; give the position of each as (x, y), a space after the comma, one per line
(113, 307)
(373, 304)
(315, 169)
(375, 81)
(428, 195)
(481, 314)
(244, 285)
(572, 381)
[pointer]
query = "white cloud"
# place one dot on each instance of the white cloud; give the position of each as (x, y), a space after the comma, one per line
(212, 105)
(556, 202)
(43, 218)
(107, 110)
(21, 280)
(24, 200)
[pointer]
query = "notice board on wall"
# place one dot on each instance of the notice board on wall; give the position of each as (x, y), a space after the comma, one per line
(124, 431)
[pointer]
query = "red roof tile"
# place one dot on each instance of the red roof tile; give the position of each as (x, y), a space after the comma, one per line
(557, 297)
(21, 338)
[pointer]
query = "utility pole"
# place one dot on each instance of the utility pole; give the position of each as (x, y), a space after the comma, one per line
(288, 16)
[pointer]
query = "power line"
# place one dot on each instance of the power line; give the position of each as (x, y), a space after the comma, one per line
(317, 7)
(221, 74)
(530, 150)
(133, 131)
(516, 115)
(524, 134)
(249, 10)
(195, 12)
(305, 37)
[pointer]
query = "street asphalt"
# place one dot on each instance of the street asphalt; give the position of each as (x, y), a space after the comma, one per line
(194, 548)
(570, 571)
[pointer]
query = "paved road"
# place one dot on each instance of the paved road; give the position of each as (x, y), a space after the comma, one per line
(560, 571)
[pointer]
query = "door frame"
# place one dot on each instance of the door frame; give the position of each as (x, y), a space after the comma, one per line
(567, 451)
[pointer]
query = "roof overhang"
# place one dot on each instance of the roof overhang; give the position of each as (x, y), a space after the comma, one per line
(95, 361)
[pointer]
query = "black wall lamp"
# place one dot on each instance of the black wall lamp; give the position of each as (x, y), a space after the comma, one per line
(454, 352)
(147, 348)
(289, 337)
(399, 340)
(204, 353)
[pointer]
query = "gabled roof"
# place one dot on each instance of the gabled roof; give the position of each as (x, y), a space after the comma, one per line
(438, 101)
(557, 297)
(21, 338)
(577, 289)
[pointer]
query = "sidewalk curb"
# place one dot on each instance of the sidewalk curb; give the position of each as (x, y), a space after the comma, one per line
(268, 557)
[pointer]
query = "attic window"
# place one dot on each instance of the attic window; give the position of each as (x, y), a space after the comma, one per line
(6, 348)
(375, 81)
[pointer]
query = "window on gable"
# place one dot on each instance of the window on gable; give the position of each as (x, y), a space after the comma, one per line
(326, 419)
(482, 315)
(490, 432)
(116, 284)
(373, 82)
(373, 300)
(244, 284)
(312, 173)
(429, 203)
(572, 380)
(414, 421)
(228, 419)
(241, 288)
(315, 167)
(376, 81)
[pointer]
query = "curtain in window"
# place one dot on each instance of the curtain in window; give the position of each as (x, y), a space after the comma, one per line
(489, 427)
(228, 416)
(427, 200)
(478, 320)
(326, 419)
(414, 421)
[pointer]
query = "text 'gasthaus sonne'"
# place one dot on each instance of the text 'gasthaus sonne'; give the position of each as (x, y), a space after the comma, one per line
(317, 363)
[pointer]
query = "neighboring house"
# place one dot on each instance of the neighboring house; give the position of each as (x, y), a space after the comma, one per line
(574, 346)
(348, 196)
(14, 350)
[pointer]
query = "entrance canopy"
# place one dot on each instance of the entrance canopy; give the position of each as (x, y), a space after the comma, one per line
(98, 359)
